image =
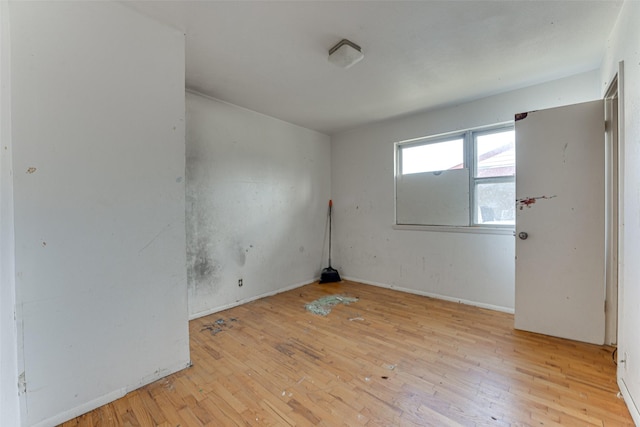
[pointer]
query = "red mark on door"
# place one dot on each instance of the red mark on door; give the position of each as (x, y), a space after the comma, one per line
(528, 201)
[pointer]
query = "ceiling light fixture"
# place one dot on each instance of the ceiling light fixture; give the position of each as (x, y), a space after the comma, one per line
(345, 54)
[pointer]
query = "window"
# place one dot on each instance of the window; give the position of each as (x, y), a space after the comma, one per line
(437, 156)
(494, 177)
(461, 179)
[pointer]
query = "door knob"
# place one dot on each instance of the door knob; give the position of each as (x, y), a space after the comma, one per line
(523, 235)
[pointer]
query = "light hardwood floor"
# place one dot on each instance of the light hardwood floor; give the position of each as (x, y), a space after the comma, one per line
(390, 359)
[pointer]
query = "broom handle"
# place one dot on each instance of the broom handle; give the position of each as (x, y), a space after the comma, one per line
(330, 206)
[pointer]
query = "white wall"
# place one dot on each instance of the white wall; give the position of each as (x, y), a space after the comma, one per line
(99, 198)
(624, 45)
(257, 196)
(9, 404)
(474, 268)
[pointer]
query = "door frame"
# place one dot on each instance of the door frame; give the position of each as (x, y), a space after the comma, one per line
(613, 208)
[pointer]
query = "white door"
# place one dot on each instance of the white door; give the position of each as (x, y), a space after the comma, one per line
(560, 222)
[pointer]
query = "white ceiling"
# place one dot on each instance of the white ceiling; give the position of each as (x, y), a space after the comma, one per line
(271, 56)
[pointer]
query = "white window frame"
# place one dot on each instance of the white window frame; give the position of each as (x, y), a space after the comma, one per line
(469, 144)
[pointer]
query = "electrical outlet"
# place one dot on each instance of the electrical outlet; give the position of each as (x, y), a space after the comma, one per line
(240, 283)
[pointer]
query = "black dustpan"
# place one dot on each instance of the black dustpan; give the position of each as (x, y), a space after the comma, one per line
(330, 274)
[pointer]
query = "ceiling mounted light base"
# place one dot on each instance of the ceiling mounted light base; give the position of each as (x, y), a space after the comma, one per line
(345, 54)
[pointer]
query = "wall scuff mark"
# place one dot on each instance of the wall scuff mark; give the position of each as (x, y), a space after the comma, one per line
(202, 268)
(22, 383)
(242, 255)
(168, 226)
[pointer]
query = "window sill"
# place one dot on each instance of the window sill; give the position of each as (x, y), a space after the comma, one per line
(478, 229)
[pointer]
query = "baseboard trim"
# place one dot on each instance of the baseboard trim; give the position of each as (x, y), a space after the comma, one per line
(158, 375)
(253, 298)
(108, 398)
(82, 409)
(433, 295)
(628, 400)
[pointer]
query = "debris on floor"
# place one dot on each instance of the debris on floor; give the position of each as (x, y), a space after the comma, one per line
(323, 305)
(218, 326)
(168, 384)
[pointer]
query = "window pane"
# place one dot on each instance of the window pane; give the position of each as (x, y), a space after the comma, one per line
(496, 154)
(495, 203)
(433, 157)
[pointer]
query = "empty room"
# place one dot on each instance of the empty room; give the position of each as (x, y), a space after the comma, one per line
(331, 213)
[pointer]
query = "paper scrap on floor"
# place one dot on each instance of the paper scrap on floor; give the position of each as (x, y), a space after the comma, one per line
(322, 306)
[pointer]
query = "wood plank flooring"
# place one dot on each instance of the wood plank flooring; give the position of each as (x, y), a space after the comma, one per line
(390, 359)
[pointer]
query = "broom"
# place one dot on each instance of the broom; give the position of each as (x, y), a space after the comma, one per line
(330, 274)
